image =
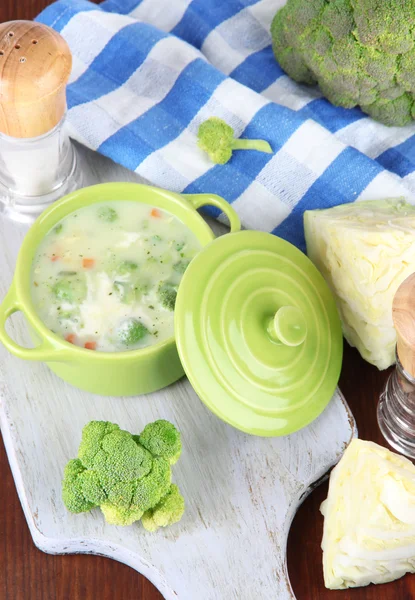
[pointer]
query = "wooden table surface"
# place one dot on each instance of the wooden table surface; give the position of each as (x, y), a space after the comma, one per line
(28, 574)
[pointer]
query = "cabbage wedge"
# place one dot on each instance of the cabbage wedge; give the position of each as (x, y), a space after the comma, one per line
(364, 250)
(369, 518)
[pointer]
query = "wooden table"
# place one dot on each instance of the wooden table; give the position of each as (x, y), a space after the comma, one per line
(25, 572)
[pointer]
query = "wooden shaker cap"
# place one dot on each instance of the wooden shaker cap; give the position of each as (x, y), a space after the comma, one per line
(35, 64)
(403, 313)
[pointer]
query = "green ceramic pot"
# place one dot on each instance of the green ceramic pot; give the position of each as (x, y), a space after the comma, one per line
(113, 373)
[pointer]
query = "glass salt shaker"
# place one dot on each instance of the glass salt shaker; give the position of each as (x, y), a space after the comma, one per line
(37, 159)
(396, 409)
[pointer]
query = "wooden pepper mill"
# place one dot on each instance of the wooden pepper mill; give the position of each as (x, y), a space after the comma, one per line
(396, 409)
(37, 159)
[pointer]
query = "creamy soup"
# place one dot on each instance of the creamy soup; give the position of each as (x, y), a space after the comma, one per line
(106, 277)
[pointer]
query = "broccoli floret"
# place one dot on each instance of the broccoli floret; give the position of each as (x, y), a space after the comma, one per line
(115, 515)
(151, 488)
(116, 472)
(167, 295)
(92, 436)
(181, 266)
(161, 438)
(70, 288)
(169, 510)
(68, 318)
(131, 331)
(108, 214)
(127, 266)
(91, 487)
(140, 289)
(217, 139)
(72, 492)
(58, 228)
(360, 52)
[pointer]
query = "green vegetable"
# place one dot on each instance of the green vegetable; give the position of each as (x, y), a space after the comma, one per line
(70, 288)
(161, 438)
(108, 214)
(167, 295)
(127, 476)
(181, 266)
(141, 289)
(169, 510)
(58, 228)
(127, 266)
(131, 331)
(364, 250)
(360, 52)
(217, 139)
(72, 493)
(72, 316)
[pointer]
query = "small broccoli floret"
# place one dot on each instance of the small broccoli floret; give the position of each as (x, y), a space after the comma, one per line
(108, 214)
(58, 228)
(63, 290)
(127, 266)
(169, 510)
(92, 436)
(167, 295)
(151, 488)
(72, 493)
(360, 52)
(122, 517)
(161, 438)
(117, 473)
(217, 139)
(131, 331)
(181, 266)
(70, 287)
(91, 487)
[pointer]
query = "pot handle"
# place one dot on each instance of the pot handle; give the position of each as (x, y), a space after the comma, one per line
(198, 200)
(44, 352)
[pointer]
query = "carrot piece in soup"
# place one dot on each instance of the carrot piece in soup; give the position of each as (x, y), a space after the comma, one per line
(91, 345)
(88, 263)
(54, 258)
(71, 337)
(155, 213)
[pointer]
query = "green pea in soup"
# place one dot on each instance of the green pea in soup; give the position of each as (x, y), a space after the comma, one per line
(106, 277)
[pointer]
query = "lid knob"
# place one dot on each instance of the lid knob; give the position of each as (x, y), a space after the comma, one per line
(35, 65)
(403, 313)
(288, 326)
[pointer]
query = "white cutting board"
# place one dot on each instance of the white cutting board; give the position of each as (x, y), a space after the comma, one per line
(241, 491)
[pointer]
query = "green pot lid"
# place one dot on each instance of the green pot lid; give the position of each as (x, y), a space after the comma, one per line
(258, 333)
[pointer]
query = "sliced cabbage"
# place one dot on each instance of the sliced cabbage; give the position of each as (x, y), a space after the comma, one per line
(364, 250)
(369, 518)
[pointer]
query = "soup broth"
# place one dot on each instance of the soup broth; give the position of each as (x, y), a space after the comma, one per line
(106, 277)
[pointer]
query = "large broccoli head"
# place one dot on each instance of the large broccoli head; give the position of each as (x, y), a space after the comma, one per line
(359, 52)
(125, 475)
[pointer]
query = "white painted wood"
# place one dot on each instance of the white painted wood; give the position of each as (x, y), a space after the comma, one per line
(241, 491)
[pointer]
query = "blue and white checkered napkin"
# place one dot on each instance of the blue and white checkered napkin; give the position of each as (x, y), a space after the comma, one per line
(148, 72)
